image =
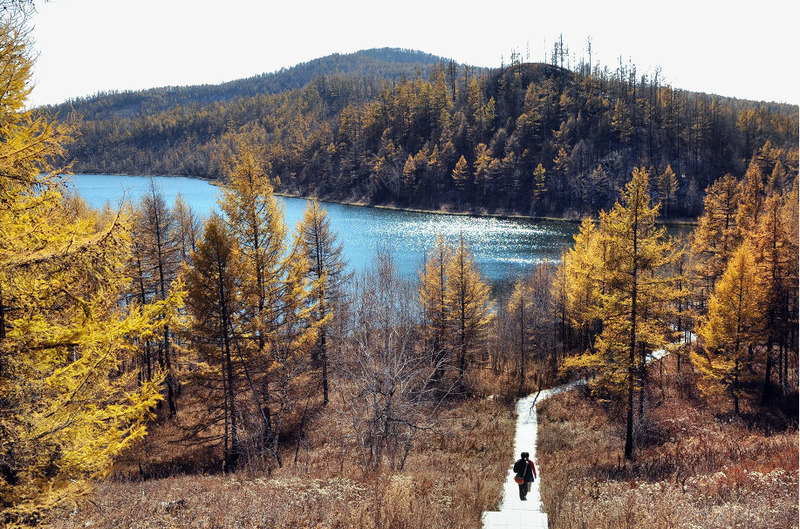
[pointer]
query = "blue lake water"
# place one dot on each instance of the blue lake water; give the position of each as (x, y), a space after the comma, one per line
(503, 248)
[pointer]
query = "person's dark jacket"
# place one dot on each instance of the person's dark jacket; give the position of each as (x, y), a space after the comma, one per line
(523, 467)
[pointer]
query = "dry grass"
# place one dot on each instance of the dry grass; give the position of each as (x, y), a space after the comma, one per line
(449, 479)
(695, 465)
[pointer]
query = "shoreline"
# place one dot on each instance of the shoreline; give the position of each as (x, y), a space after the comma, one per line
(390, 207)
(500, 216)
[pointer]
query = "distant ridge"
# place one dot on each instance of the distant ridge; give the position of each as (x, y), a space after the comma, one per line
(386, 64)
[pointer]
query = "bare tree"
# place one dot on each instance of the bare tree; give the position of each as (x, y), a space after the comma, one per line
(386, 390)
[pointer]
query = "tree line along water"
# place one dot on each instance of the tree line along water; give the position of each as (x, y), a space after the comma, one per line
(504, 248)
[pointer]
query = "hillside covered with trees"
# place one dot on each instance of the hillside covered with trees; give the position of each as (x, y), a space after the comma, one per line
(406, 128)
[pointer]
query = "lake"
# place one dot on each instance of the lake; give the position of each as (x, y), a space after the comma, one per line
(503, 248)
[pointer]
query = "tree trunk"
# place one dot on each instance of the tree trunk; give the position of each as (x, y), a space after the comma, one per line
(767, 375)
(233, 454)
(522, 343)
(324, 360)
(226, 413)
(629, 418)
(2, 316)
(735, 387)
(631, 379)
(768, 368)
(643, 379)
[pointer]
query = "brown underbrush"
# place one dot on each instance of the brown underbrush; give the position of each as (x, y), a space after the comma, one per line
(450, 476)
(695, 464)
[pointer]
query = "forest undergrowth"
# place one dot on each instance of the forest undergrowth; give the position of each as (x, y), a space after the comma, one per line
(696, 465)
(451, 475)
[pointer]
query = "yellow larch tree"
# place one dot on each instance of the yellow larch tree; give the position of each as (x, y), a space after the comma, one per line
(483, 159)
(520, 312)
(293, 341)
(751, 199)
(637, 305)
(539, 188)
(667, 187)
(435, 308)
(67, 408)
(777, 256)
(409, 179)
(188, 227)
(317, 242)
(629, 267)
(255, 220)
(277, 331)
(715, 238)
(456, 307)
(735, 323)
(214, 302)
(790, 218)
(156, 265)
(461, 174)
(470, 305)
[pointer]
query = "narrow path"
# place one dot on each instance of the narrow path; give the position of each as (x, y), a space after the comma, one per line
(515, 513)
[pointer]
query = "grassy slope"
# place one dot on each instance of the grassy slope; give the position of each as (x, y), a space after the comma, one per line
(697, 465)
(450, 478)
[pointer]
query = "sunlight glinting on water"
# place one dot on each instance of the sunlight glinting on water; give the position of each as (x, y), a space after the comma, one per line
(502, 248)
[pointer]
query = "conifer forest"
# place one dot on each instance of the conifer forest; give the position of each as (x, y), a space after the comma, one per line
(530, 139)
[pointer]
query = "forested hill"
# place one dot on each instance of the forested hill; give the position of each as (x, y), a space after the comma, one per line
(407, 128)
(374, 66)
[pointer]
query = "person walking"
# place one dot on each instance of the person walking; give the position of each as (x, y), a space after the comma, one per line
(525, 470)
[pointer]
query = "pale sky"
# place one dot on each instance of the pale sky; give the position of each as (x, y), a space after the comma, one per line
(746, 50)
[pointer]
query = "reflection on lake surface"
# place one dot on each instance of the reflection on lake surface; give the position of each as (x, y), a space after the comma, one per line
(503, 248)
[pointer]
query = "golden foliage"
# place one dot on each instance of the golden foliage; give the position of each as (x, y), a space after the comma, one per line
(255, 311)
(733, 325)
(621, 280)
(67, 405)
(456, 304)
(626, 283)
